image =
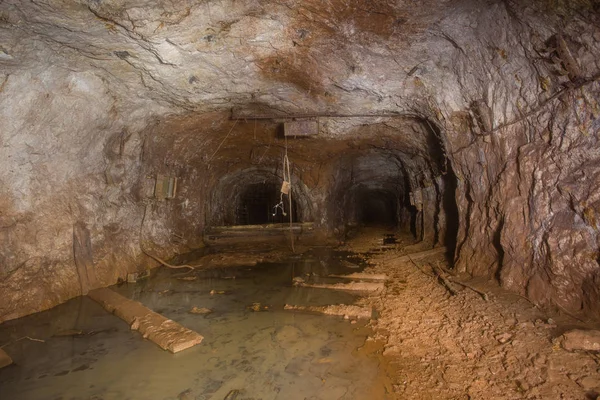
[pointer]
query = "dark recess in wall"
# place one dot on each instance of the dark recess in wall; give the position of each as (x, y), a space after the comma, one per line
(257, 205)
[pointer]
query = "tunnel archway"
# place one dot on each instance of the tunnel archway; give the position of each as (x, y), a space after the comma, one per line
(262, 203)
(372, 206)
(400, 178)
(250, 197)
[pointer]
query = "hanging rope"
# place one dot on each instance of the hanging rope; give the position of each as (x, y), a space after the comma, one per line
(287, 177)
(286, 189)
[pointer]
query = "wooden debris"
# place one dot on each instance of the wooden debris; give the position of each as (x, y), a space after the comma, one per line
(363, 276)
(228, 235)
(166, 264)
(343, 310)
(257, 307)
(166, 333)
(32, 339)
(419, 268)
(419, 255)
(353, 286)
(483, 295)
(188, 278)
(445, 282)
(200, 310)
(5, 359)
(69, 332)
(232, 395)
(348, 264)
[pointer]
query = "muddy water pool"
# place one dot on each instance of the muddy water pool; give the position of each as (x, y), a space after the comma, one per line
(252, 348)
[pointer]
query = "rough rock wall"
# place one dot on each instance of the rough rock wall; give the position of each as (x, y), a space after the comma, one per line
(535, 223)
(509, 88)
(528, 177)
(58, 170)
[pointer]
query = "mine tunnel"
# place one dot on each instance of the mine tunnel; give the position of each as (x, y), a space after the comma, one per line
(376, 207)
(261, 203)
(303, 200)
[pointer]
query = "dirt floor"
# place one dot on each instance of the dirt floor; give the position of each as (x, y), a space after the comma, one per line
(443, 346)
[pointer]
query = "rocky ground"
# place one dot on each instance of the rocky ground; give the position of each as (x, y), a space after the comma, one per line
(442, 346)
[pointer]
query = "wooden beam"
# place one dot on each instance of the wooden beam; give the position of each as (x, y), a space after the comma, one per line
(167, 334)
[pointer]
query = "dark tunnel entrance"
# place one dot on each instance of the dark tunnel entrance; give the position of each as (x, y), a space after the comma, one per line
(377, 208)
(262, 203)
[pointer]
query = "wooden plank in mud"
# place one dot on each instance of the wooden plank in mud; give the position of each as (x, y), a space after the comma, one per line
(422, 254)
(351, 286)
(167, 334)
(343, 310)
(361, 276)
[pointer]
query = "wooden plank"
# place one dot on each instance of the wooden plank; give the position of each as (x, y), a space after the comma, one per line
(296, 227)
(343, 310)
(167, 334)
(420, 255)
(361, 275)
(352, 286)
(5, 359)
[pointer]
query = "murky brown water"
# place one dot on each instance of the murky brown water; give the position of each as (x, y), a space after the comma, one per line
(272, 354)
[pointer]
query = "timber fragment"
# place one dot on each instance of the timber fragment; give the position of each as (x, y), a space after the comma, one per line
(420, 255)
(361, 275)
(167, 334)
(343, 310)
(352, 286)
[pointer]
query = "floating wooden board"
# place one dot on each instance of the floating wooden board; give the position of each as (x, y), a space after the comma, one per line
(167, 334)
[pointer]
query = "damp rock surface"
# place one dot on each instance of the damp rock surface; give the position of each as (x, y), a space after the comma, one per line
(486, 113)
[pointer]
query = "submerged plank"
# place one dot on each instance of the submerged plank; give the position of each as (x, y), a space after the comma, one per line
(350, 311)
(167, 334)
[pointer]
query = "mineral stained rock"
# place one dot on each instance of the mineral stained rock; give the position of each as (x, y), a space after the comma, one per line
(97, 98)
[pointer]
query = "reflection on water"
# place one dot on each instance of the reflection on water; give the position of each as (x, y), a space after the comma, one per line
(246, 354)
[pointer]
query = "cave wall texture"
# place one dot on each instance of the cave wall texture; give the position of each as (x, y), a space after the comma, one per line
(501, 119)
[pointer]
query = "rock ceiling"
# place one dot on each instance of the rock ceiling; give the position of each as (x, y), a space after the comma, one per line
(291, 56)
